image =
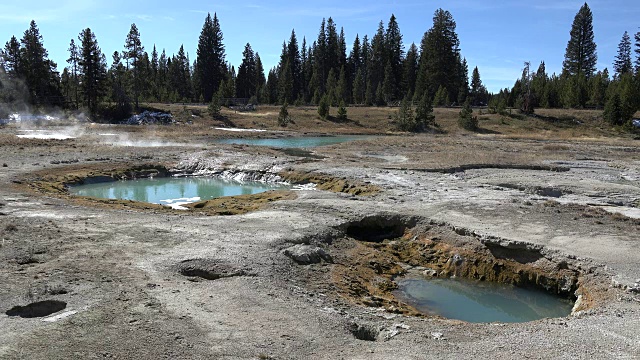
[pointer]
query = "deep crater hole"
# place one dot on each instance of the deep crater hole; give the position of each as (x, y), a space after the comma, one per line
(379, 228)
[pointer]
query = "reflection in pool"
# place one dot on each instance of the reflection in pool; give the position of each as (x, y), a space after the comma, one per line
(480, 302)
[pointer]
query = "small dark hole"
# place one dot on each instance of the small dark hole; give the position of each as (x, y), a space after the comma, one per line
(364, 332)
(37, 309)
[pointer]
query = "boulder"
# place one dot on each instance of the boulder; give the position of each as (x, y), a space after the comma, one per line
(307, 254)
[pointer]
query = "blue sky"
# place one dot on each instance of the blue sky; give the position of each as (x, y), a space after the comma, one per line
(496, 36)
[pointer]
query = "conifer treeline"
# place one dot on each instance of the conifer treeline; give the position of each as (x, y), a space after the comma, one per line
(580, 85)
(375, 71)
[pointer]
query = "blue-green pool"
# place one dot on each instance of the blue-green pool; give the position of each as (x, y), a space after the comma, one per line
(480, 302)
(171, 191)
(297, 142)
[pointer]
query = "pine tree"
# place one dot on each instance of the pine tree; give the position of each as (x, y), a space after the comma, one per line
(307, 70)
(332, 87)
(476, 86)
(210, 57)
(387, 84)
(12, 58)
(272, 87)
(133, 54)
(283, 116)
(295, 63)
(155, 66)
(117, 76)
(395, 55)
(65, 83)
(466, 120)
(574, 91)
(440, 58)
(73, 60)
(613, 110)
(379, 95)
(358, 88)
(146, 77)
(365, 52)
(404, 118)
(629, 99)
(377, 60)
(37, 70)
(260, 80)
(538, 84)
(93, 67)
(526, 96)
(246, 85)
(323, 107)
(342, 111)
(342, 88)
(369, 95)
(410, 71)
(162, 78)
(622, 64)
(333, 54)
(440, 98)
(321, 68)
(342, 49)
(462, 81)
(581, 56)
(424, 117)
(179, 76)
(285, 83)
(215, 106)
(598, 86)
(637, 50)
(355, 58)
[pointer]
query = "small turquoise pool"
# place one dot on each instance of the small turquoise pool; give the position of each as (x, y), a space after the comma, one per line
(297, 142)
(480, 302)
(171, 191)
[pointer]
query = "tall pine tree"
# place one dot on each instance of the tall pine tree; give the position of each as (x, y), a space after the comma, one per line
(210, 58)
(93, 69)
(246, 80)
(440, 58)
(395, 56)
(38, 71)
(73, 60)
(581, 56)
(637, 50)
(410, 71)
(622, 64)
(133, 53)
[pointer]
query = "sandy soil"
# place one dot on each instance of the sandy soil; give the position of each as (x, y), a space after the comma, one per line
(148, 283)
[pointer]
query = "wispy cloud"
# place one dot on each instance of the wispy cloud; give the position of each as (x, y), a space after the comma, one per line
(344, 12)
(45, 11)
(571, 5)
(143, 17)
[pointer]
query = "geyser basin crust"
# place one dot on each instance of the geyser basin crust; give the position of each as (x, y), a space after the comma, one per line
(121, 261)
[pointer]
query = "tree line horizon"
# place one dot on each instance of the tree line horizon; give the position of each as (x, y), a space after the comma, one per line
(377, 71)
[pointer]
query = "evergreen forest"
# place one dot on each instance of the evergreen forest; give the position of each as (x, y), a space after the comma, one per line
(375, 70)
